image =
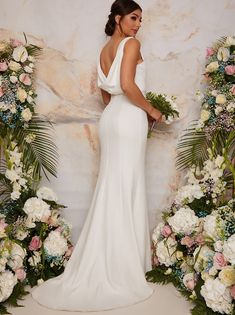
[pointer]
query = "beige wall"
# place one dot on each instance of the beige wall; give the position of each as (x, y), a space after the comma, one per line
(174, 36)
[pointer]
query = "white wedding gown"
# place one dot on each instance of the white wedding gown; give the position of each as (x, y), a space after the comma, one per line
(107, 267)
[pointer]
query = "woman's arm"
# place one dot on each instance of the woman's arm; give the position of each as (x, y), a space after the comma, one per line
(106, 96)
(128, 69)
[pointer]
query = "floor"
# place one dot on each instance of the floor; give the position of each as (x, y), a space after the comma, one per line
(164, 301)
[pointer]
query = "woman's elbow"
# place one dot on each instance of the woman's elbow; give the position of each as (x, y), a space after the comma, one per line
(126, 86)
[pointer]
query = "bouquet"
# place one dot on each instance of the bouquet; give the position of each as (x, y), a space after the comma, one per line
(165, 104)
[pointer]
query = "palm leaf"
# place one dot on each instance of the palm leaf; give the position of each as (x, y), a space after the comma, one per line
(41, 153)
(219, 43)
(192, 148)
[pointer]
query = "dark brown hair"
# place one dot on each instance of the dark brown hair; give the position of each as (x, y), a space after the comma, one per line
(119, 7)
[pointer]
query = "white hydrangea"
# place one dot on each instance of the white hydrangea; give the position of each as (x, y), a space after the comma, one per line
(184, 221)
(47, 193)
(229, 249)
(36, 208)
(7, 282)
(157, 232)
(166, 251)
(55, 244)
(214, 226)
(17, 256)
(188, 193)
(217, 296)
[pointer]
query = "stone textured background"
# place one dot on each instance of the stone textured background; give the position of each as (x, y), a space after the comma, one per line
(174, 37)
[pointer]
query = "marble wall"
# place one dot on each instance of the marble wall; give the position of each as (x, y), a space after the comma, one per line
(174, 37)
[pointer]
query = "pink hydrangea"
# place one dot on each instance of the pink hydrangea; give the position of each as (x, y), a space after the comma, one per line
(15, 42)
(20, 274)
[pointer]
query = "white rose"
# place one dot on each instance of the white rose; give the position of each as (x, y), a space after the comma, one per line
(47, 193)
(29, 99)
(7, 282)
(205, 115)
(220, 99)
(36, 208)
(213, 66)
(13, 79)
(17, 256)
(14, 66)
(26, 114)
(20, 53)
(229, 249)
(217, 296)
(55, 244)
(218, 110)
(214, 92)
(21, 95)
(165, 251)
(184, 221)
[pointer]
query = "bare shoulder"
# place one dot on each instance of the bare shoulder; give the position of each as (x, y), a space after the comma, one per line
(132, 44)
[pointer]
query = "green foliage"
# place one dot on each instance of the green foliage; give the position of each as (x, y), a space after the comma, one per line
(192, 148)
(41, 153)
(17, 294)
(160, 103)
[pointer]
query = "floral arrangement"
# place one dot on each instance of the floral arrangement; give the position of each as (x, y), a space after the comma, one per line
(194, 245)
(17, 93)
(166, 105)
(218, 108)
(35, 241)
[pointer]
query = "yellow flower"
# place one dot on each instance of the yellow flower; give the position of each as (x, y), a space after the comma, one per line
(227, 276)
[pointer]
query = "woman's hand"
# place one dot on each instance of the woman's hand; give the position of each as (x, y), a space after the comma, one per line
(155, 114)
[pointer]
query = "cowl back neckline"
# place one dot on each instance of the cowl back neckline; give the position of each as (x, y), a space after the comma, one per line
(114, 60)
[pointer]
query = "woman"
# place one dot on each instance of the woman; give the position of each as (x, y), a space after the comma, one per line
(108, 264)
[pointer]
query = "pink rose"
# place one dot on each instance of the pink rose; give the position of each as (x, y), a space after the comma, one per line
(209, 52)
(233, 89)
(188, 241)
(232, 291)
(24, 78)
(3, 66)
(20, 274)
(230, 70)
(219, 261)
(166, 231)
(200, 239)
(35, 243)
(15, 42)
(69, 251)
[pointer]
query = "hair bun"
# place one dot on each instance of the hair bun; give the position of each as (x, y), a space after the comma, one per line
(110, 25)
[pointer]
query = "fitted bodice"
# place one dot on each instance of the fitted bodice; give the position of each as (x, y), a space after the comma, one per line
(111, 82)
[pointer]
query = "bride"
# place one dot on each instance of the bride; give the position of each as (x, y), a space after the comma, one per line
(108, 264)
